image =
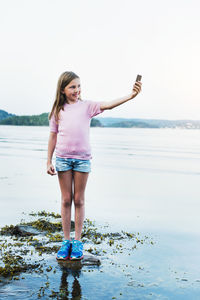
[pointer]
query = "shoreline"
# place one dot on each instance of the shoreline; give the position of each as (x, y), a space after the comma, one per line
(142, 264)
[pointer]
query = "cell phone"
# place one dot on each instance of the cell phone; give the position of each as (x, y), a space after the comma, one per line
(139, 77)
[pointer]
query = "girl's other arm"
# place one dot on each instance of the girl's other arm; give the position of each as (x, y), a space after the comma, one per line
(111, 104)
(51, 146)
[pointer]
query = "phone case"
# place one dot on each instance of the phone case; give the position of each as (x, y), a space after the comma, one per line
(139, 77)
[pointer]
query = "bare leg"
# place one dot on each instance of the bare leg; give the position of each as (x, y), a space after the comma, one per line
(66, 181)
(80, 180)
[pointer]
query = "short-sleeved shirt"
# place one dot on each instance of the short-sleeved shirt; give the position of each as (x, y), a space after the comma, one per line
(73, 129)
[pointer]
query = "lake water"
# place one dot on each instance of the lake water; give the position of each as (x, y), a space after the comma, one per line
(144, 180)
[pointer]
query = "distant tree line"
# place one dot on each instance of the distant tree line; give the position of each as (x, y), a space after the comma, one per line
(42, 120)
(34, 120)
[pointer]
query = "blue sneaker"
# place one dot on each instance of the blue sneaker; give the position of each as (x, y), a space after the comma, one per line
(77, 250)
(64, 250)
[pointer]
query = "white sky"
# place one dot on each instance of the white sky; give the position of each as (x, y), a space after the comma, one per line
(107, 43)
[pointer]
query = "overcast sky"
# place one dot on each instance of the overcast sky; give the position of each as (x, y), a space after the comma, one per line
(107, 43)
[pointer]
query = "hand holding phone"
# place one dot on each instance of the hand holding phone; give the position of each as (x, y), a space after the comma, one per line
(137, 86)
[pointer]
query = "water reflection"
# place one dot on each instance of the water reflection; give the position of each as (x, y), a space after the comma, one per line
(71, 269)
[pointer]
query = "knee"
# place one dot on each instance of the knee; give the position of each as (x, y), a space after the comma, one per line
(78, 200)
(67, 200)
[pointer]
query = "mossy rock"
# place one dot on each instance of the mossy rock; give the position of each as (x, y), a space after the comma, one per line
(88, 260)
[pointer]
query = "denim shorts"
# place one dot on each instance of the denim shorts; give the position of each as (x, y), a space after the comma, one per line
(65, 164)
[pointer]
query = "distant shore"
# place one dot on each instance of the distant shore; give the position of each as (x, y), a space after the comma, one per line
(42, 120)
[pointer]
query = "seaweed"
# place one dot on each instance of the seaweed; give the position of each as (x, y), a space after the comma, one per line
(22, 252)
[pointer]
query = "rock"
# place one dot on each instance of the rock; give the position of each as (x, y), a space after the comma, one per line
(88, 260)
(184, 279)
(19, 230)
(24, 230)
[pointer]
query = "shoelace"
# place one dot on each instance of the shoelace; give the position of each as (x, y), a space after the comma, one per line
(76, 247)
(63, 246)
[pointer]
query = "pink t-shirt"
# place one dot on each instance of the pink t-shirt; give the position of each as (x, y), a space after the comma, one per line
(73, 129)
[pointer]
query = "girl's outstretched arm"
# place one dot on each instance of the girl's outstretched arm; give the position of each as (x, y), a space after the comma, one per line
(111, 104)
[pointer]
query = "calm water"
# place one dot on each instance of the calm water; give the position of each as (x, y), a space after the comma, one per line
(143, 180)
(140, 177)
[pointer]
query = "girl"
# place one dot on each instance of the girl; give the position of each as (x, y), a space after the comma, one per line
(69, 123)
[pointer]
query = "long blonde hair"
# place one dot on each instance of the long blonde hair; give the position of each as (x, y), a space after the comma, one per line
(64, 79)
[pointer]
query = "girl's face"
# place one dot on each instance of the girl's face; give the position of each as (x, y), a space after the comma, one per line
(72, 90)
